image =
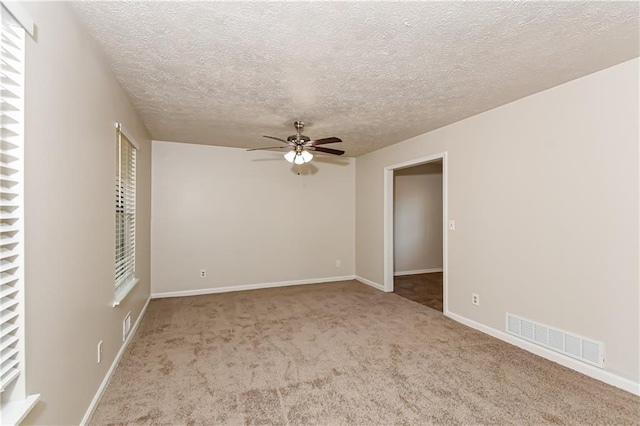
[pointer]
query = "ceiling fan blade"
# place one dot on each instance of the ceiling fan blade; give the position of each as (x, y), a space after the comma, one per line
(324, 141)
(277, 139)
(326, 150)
(269, 147)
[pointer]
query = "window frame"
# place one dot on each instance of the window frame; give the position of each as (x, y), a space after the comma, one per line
(126, 207)
(15, 404)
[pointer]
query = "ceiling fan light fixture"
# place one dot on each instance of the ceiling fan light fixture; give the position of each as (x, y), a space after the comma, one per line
(300, 145)
(289, 156)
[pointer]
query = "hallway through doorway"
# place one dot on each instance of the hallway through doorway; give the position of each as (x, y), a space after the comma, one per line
(425, 289)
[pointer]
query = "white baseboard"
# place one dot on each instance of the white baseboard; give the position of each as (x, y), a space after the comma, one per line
(244, 287)
(417, 271)
(371, 283)
(586, 369)
(114, 364)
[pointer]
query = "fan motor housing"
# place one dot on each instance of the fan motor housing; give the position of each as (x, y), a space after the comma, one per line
(299, 138)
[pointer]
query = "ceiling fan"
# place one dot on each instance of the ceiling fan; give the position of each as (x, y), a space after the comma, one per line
(300, 145)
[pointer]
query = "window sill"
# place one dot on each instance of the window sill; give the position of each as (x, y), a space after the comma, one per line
(15, 412)
(124, 290)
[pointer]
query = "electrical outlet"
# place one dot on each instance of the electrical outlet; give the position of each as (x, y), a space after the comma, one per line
(452, 225)
(99, 351)
(475, 299)
(338, 263)
(203, 273)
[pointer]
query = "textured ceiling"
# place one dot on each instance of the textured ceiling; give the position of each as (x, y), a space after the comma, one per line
(372, 73)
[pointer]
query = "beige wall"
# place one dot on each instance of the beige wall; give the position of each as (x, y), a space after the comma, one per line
(544, 192)
(72, 103)
(247, 218)
(417, 218)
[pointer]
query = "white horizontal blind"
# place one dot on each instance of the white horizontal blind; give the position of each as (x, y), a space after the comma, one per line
(125, 210)
(11, 198)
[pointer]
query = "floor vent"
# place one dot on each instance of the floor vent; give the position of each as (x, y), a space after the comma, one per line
(569, 344)
(126, 327)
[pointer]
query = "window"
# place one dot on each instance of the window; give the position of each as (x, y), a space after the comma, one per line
(125, 202)
(14, 404)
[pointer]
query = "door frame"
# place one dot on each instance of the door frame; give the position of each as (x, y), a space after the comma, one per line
(388, 221)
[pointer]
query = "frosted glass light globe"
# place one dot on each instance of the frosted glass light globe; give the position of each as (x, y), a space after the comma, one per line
(289, 156)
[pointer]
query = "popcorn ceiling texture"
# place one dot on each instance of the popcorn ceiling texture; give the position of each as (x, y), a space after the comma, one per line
(372, 73)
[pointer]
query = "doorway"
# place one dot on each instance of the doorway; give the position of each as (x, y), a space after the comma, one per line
(417, 234)
(415, 240)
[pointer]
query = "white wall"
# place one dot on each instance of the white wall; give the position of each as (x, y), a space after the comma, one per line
(545, 194)
(247, 218)
(72, 103)
(417, 218)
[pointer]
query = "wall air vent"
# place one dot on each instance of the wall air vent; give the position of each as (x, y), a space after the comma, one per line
(566, 343)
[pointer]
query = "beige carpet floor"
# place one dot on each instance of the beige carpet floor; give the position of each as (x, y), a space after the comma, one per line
(338, 353)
